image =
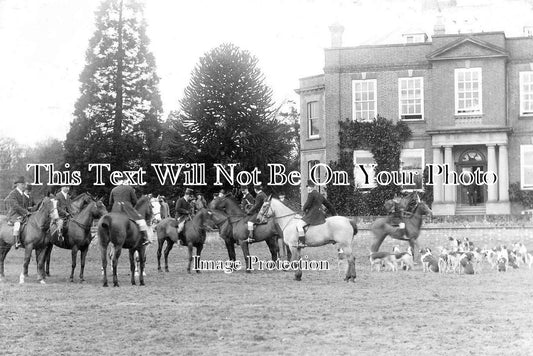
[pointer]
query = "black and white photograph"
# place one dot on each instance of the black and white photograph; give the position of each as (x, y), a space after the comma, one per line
(251, 177)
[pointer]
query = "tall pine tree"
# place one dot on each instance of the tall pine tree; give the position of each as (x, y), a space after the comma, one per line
(117, 117)
(227, 115)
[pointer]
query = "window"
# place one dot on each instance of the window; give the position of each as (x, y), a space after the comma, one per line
(415, 37)
(411, 94)
(526, 167)
(468, 91)
(526, 93)
(364, 99)
(318, 173)
(312, 119)
(412, 162)
(364, 177)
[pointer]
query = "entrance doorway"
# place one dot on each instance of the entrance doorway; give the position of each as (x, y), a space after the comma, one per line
(471, 161)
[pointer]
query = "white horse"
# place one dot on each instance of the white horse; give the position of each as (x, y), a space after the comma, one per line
(336, 230)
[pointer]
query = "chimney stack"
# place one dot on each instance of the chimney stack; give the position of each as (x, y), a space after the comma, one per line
(439, 29)
(336, 34)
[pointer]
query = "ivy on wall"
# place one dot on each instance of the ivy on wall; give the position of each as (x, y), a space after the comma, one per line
(523, 197)
(385, 140)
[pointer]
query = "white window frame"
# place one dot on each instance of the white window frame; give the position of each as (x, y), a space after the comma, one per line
(358, 173)
(480, 90)
(354, 110)
(400, 106)
(315, 162)
(310, 119)
(414, 152)
(525, 150)
(522, 83)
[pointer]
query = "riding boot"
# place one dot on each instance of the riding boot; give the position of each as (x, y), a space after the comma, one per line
(17, 241)
(250, 232)
(301, 242)
(145, 240)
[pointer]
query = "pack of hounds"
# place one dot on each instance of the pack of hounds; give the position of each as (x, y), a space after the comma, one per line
(461, 257)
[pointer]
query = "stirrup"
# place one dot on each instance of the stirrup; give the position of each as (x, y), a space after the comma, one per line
(250, 240)
(17, 245)
(146, 242)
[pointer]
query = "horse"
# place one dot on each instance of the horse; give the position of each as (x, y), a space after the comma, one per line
(193, 235)
(32, 235)
(336, 230)
(381, 228)
(78, 236)
(122, 232)
(236, 229)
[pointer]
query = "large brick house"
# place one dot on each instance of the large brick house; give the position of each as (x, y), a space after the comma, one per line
(468, 99)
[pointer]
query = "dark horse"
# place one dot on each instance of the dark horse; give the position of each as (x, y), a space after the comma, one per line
(78, 236)
(236, 229)
(33, 234)
(382, 227)
(122, 232)
(193, 235)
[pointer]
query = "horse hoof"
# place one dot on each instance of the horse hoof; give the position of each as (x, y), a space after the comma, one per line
(188, 271)
(82, 280)
(115, 285)
(198, 271)
(248, 271)
(299, 279)
(159, 270)
(105, 285)
(166, 270)
(141, 283)
(133, 283)
(72, 280)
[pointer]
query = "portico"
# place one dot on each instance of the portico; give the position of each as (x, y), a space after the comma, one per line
(463, 149)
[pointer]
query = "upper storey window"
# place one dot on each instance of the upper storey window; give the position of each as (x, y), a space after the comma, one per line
(411, 94)
(468, 91)
(364, 99)
(312, 119)
(526, 93)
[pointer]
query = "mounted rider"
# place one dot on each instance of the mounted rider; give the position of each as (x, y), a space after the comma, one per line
(123, 200)
(16, 212)
(184, 209)
(29, 201)
(63, 209)
(260, 198)
(247, 200)
(313, 213)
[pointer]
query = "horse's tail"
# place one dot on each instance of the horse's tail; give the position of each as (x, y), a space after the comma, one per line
(354, 226)
(104, 227)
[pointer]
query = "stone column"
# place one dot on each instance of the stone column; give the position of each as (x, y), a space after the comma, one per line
(448, 189)
(437, 184)
(503, 174)
(491, 166)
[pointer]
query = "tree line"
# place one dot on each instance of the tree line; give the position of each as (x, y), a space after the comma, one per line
(226, 115)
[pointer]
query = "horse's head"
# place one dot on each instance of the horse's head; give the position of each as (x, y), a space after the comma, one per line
(99, 209)
(266, 211)
(217, 216)
(422, 208)
(48, 207)
(206, 218)
(144, 208)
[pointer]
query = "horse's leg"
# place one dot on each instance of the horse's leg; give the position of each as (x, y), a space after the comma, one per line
(230, 246)
(83, 253)
(142, 262)
(27, 256)
(170, 244)
(379, 236)
(116, 255)
(160, 243)
(189, 248)
(350, 258)
(199, 249)
(40, 255)
(295, 254)
(47, 259)
(103, 254)
(414, 248)
(246, 253)
(272, 244)
(132, 266)
(3, 253)
(74, 254)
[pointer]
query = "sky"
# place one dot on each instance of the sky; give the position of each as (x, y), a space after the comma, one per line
(43, 44)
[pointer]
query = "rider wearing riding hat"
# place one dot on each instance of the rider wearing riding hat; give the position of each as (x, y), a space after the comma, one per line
(260, 198)
(184, 208)
(247, 200)
(29, 202)
(123, 200)
(63, 208)
(16, 213)
(313, 213)
(396, 212)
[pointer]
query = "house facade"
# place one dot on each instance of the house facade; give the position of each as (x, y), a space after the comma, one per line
(468, 99)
